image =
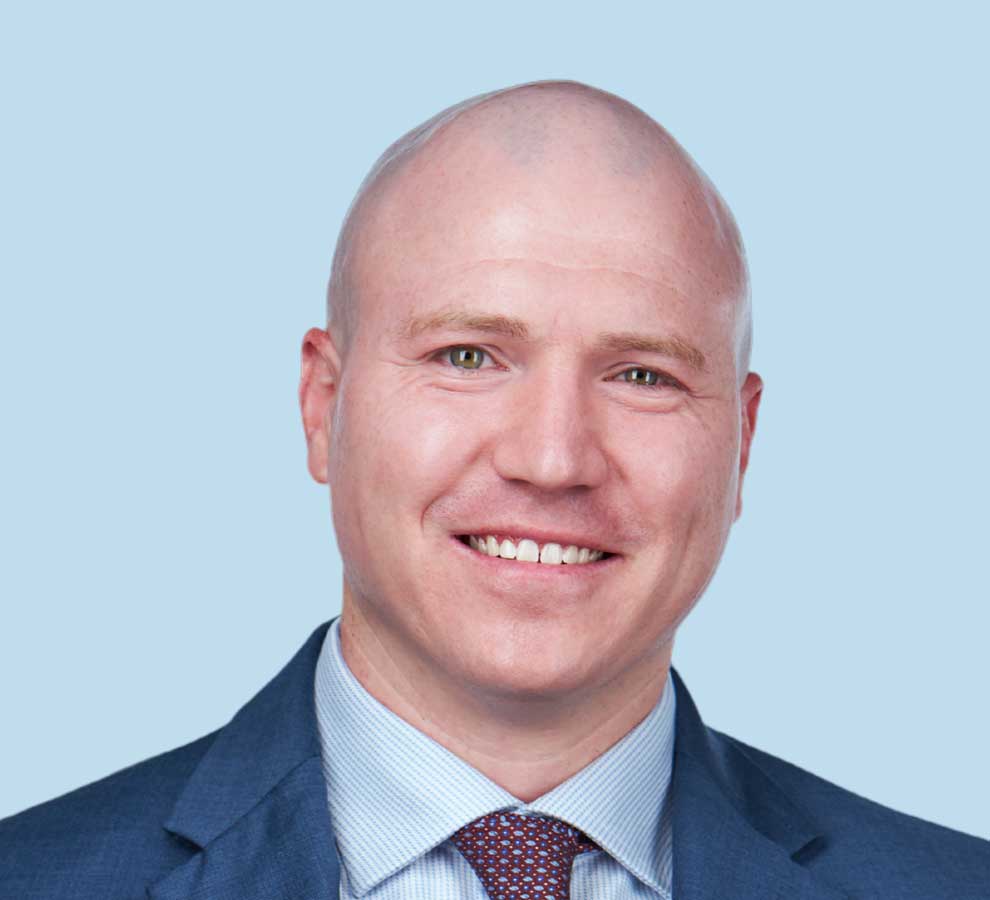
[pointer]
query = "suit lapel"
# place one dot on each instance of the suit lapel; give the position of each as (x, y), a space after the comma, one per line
(255, 809)
(736, 835)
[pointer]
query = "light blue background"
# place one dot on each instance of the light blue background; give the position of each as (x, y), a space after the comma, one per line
(174, 179)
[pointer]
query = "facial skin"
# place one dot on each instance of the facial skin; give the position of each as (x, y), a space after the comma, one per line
(558, 237)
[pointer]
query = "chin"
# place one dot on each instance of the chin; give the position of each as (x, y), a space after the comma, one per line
(528, 672)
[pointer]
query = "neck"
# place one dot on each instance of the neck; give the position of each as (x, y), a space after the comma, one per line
(527, 745)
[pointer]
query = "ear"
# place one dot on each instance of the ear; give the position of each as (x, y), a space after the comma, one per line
(317, 397)
(749, 395)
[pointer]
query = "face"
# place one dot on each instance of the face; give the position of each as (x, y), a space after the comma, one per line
(548, 360)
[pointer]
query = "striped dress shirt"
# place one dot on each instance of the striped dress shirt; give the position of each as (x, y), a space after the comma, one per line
(396, 796)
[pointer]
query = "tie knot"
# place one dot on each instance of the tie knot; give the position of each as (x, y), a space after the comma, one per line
(522, 857)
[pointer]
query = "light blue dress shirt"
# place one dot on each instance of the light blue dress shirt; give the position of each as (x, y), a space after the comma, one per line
(396, 796)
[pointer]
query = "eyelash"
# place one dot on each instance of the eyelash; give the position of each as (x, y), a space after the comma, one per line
(663, 380)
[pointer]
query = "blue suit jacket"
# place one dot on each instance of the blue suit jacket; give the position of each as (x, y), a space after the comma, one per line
(241, 814)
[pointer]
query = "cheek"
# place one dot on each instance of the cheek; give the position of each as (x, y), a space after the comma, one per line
(708, 494)
(398, 450)
(423, 449)
(679, 474)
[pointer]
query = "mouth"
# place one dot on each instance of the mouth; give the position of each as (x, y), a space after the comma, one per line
(528, 550)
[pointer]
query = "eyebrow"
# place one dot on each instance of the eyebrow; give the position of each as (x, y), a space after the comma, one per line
(674, 347)
(464, 320)
(508, 326)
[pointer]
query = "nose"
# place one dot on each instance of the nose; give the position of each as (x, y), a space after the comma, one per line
(551, 439)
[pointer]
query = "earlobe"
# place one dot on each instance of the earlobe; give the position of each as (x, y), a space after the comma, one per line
(749, 396)
(317, 396)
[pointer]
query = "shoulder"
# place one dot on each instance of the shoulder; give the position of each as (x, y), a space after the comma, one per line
(876, 845)
(102, 840)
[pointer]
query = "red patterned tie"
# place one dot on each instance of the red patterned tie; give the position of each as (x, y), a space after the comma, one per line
(522, 857)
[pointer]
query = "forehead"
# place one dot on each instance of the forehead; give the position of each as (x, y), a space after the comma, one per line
(473, 224)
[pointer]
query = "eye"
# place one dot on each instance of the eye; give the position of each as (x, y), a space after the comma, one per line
(466, 357)
(641, 376)
(647, 378)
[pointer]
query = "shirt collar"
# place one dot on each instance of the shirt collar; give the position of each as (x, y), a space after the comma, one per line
(394, 793)
(620, 799)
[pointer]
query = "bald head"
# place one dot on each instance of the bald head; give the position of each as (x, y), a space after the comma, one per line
(563, 154)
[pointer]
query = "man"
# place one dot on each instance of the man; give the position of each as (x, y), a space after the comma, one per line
(534, 411)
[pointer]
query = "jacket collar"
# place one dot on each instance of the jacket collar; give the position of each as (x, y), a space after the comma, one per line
(255, 810)
(736, 833)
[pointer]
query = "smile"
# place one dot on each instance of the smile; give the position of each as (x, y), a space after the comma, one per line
(530, 551)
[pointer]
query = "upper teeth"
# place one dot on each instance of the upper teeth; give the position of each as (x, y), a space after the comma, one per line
(527, 550)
